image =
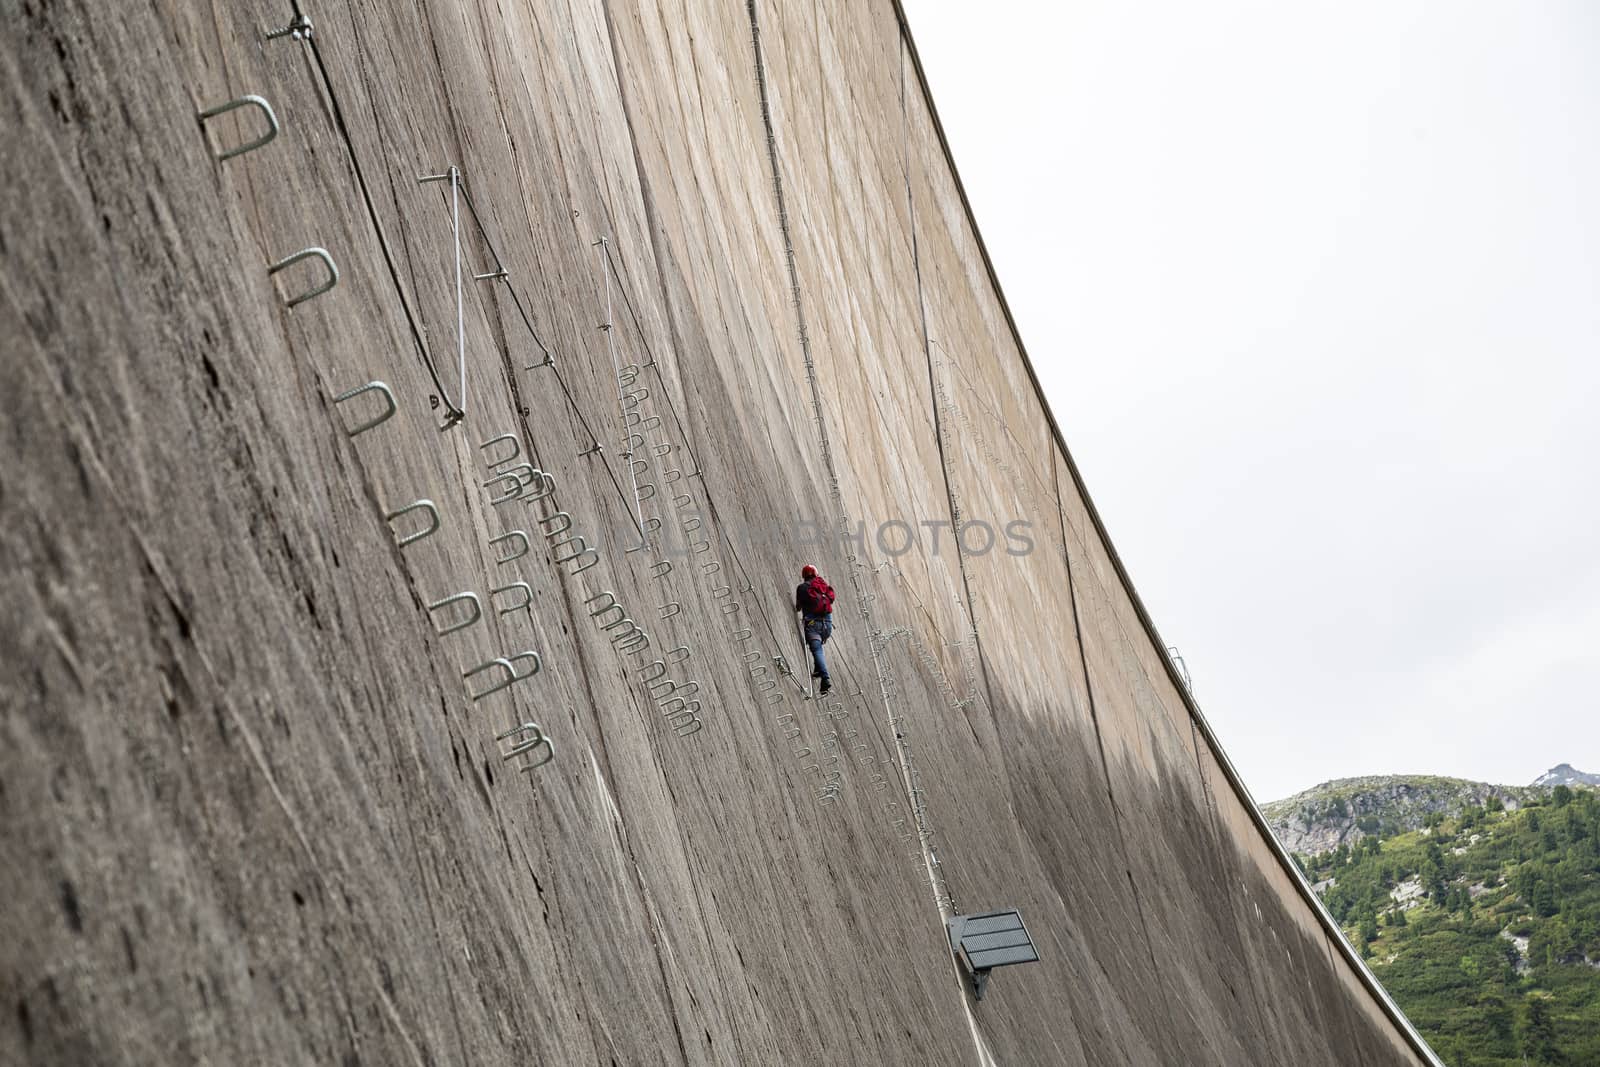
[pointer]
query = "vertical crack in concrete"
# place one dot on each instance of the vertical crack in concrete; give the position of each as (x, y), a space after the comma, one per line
(908, 775)
(933, 389)
(941, 893)
(1105, 765)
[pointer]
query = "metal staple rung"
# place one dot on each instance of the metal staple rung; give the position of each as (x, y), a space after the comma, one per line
(376, 420)
(257, 102)
(308, 253)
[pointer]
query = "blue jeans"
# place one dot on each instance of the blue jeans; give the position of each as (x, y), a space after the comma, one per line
(818, 629)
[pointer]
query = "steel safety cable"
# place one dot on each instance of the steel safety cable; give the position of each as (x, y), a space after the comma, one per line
(544, 350)
(650, 359)
(616, 363)
(343, 130)
(488, 243)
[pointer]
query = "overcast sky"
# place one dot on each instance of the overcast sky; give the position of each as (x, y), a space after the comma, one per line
(1314, 290)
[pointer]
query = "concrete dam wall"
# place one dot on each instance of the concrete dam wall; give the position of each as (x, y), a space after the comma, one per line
(256, 800)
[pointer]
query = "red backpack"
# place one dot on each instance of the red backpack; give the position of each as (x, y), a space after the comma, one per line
(818, 597)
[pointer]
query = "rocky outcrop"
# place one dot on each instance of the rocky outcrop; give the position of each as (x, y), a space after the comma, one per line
(1344, 811)
(1565, 774)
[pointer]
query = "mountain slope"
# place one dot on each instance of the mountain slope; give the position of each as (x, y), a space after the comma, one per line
(1344, 811)
(1485, 926)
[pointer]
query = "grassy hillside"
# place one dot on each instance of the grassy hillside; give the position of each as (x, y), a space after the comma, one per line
(1485, 927)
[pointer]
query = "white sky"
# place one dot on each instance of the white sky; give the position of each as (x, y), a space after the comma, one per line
(1314, 290)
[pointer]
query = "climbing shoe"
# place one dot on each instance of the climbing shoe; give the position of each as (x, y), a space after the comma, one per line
(826, 685)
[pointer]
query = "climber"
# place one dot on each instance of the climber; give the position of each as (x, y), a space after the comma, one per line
(813, 599)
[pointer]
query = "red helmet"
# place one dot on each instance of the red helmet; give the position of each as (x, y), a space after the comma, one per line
(808, 572)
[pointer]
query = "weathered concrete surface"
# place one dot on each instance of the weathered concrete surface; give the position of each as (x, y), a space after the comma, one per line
(250, 813)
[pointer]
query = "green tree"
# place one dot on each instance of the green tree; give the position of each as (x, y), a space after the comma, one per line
(1544, 899)
(1561, 795)
(1535, 1034)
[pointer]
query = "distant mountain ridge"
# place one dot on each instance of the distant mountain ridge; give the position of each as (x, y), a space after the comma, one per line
(1565, 774)
(1343, 811)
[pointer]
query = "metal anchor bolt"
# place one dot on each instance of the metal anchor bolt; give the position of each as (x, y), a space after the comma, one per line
(299, 28)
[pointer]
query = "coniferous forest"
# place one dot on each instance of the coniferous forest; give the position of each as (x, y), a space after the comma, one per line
(1484, 927)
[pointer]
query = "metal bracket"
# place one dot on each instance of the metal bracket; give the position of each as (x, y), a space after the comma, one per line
(530, 737)
(389, 404)
(634, 644)
(257, 102)
(514, 553)
(549, 527)
(583, 550)
(609, 605)
(474, 614)
(507, 664)
(523, 587)
(513, 481)
(416, 505)
(308, 253)
(508, 438)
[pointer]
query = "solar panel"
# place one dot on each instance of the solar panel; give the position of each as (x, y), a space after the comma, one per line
(994, 939)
